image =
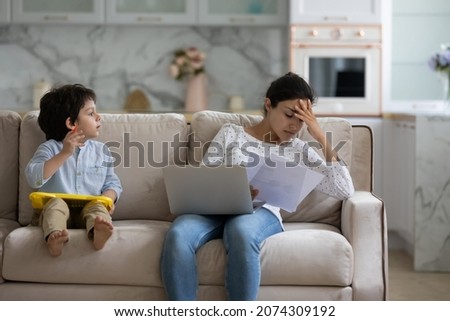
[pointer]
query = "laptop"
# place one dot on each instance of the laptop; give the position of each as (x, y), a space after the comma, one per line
(222, 190)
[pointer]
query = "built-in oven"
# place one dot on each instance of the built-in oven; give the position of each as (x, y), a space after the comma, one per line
(342, 64)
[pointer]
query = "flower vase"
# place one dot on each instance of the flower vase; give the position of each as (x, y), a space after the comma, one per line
(445, 79)
(196, 95)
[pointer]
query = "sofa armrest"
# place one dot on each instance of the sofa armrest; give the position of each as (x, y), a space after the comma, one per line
(363, 223)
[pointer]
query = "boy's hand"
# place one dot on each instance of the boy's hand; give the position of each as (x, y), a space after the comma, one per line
(73, 139)
(112, 195)
(111, 210)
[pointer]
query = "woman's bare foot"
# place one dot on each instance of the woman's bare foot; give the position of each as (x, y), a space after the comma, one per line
(56, 240)
(102, 231)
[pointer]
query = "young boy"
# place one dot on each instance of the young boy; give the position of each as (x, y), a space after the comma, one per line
(71, 162)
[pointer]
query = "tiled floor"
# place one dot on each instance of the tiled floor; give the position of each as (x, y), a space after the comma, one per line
(407, 285)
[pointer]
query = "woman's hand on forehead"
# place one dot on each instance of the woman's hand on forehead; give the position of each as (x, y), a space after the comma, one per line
(304, 104)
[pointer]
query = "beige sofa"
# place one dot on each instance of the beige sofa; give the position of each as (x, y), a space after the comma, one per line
(331, 250)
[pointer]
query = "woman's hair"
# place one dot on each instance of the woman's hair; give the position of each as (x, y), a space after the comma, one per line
(288, 87)
(59, 104)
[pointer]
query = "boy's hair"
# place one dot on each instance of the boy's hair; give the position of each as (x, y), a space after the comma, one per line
(59, 104)
(287, 87)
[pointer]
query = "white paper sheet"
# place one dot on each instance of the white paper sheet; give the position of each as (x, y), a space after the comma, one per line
(281, 185)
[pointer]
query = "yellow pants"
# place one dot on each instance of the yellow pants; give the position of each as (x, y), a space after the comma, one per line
(56, 216)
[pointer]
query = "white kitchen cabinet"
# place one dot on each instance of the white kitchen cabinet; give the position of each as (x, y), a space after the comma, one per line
(243, 12)
(149, 12)
(58, 11)
(4, 11)
(174, 12)
(335, 11)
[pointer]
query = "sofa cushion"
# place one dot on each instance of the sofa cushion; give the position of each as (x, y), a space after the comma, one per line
(316, 207)
(9, 163)
(147, 143)
(30, 138)
(305, 261)
(130, 257)
(141, 145)
(206, 124)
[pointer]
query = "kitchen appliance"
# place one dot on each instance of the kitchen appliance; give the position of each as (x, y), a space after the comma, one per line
(343, 65)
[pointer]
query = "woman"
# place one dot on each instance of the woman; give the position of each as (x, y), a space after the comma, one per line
(287, 107)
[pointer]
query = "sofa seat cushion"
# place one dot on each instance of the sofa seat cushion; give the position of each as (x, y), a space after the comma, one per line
(294, 257)
(131, 256)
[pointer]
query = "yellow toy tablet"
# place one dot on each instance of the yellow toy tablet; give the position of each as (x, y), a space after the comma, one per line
(39, 199)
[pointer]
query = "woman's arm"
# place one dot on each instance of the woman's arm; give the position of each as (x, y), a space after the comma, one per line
(337, 181)
(215, 155)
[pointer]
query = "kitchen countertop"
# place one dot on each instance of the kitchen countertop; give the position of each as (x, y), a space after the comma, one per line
(412, 115)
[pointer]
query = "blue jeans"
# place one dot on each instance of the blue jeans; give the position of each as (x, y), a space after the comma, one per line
(242, 237)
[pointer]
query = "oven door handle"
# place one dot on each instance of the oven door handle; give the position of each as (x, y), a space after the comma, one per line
(339, 45)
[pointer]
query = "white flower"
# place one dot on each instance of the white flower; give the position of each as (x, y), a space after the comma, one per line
(187, 62)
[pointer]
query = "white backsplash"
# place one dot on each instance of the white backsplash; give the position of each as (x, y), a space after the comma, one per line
(114, 60)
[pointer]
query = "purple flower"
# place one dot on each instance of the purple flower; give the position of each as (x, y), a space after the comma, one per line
(432, 62)
(440, 61)
(446, 57)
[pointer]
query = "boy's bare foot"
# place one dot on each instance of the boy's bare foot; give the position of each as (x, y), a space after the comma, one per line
(55, 242)
(102, 231)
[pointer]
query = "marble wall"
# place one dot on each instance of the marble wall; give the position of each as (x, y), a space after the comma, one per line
(114, 60)
(432, 194)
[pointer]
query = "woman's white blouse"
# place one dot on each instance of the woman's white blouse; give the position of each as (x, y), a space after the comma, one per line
(233, 146)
